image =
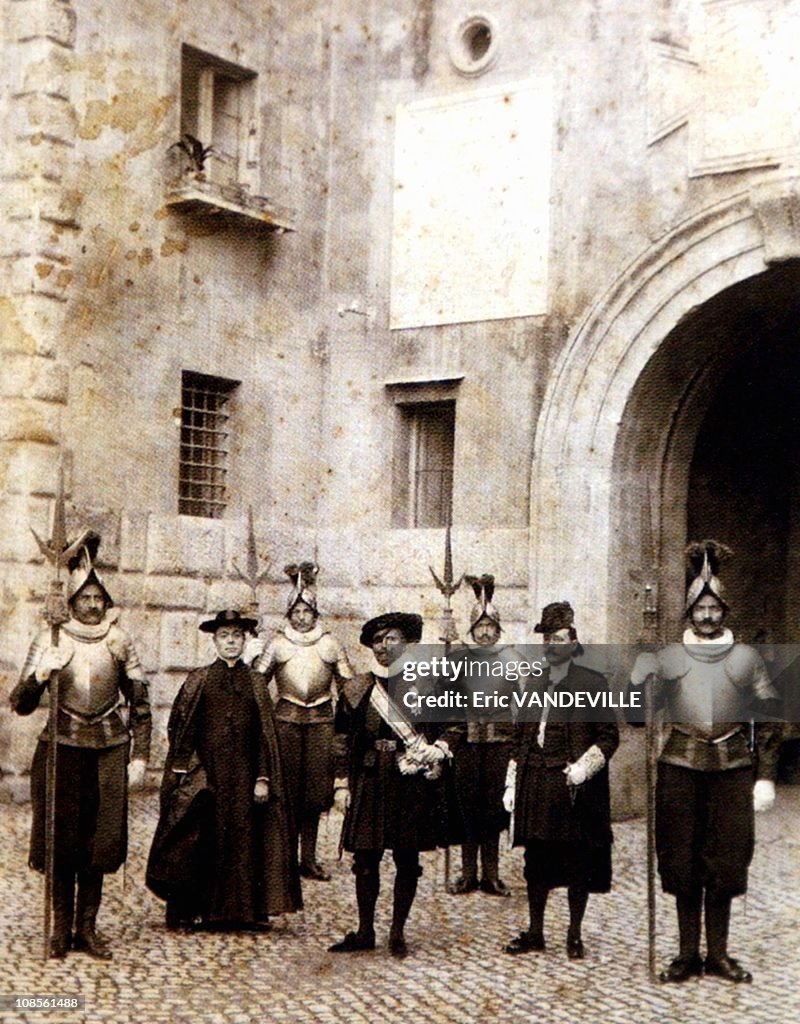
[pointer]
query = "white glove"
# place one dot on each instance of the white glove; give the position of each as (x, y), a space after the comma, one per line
(431, 753)
(137, 771)
(53, 659)
(253, 648)
(588, 764)
(645, 666)
(575, 773)
(511, 785)
(763, 795)
(261, 791)
(341, 796)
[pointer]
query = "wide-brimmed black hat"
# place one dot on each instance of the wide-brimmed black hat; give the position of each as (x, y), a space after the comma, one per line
(409, 625)
(229, 617)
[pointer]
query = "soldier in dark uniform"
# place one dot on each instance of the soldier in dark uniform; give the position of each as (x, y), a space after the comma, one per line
(395, 798)
(223, 853)
(561, 801)
(481, 757)
(704, 795)
(98, 671)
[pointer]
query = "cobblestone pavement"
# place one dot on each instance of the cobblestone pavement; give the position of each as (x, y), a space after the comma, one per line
(457, 971)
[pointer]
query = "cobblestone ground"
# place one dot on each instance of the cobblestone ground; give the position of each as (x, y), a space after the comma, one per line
(457, 971)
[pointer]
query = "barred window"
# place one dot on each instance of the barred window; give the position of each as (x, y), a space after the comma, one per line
(424, 464)
(205, 433)
(424, 450)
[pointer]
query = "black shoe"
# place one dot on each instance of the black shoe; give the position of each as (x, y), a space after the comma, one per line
(176, 922)
(91, 943)
(353, 943)
(59, 946)
(496, 887)
(682, 968)
(462, 886)
(257, 926)
(525, 942)
(397, 947)
(728, 968)
(315, 871)
(575, 950)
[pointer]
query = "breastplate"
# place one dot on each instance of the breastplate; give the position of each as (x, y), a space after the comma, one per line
(304, 678)
(88, 685)
(707, 700)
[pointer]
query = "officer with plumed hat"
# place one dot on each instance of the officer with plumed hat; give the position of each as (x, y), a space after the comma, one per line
(394, 781)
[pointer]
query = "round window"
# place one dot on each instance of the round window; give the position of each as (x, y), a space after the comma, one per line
(473, 44)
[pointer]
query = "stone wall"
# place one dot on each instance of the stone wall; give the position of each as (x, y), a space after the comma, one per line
(110, 292)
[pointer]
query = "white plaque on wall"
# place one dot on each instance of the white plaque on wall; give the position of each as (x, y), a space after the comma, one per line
(470, 231)
(750, 88)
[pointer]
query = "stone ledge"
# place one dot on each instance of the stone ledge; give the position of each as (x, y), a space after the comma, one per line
(208, 199)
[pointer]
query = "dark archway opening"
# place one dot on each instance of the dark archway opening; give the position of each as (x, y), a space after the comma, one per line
(709, 446)
(744, 483)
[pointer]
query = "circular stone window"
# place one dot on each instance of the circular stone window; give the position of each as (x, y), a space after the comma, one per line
(473, 45)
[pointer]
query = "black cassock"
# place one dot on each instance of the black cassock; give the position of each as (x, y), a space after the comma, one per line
(216, 853)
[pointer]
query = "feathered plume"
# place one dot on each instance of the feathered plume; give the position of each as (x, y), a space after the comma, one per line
(90, 541)
(698, 551)
(303, 574)
(482, 586)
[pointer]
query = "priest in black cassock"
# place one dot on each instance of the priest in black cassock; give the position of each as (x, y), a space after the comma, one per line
(222, 854)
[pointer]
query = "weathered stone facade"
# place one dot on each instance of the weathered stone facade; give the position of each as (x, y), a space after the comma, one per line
(570, 420)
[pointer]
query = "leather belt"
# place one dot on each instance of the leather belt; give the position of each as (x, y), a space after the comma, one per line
(711, 742)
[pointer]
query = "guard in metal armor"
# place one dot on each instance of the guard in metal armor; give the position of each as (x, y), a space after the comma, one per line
(98, 673)
(480, 761)
(306, 665)
(704, 794)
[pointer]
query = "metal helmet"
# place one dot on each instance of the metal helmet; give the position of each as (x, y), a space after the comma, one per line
(304, 577)
(483, 588)
(704, 558)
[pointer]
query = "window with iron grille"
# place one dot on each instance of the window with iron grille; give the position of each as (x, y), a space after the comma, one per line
(205, 436)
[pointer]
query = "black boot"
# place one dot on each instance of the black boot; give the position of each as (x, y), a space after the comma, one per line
(63, 910)
(718, 963)
(309, 865)
(491, 882)
(688, 963)
(578, 897)
(468, 880)
(405, 889)
(90, 891)
(366, 868)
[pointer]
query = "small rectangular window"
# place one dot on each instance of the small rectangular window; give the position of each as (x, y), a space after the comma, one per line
(205, 437)
(218, 107)
(427, 434)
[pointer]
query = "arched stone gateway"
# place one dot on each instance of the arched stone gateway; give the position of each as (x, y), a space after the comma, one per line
(618, 437)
